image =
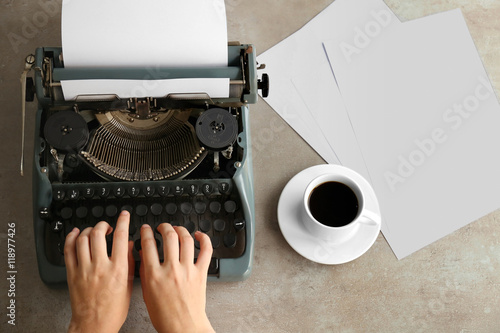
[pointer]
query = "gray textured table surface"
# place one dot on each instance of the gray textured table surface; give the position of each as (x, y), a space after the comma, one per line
(452, 285)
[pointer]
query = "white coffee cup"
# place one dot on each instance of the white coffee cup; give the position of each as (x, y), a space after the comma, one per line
(339, 202)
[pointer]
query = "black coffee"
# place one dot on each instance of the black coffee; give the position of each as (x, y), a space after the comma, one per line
(333, 204)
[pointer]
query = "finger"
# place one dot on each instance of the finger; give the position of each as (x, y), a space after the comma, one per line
(206, 250)
(170, 243)
(186, 244)
(98, 246)
(70, 250)
(83, 254)
(119, 251)
(149, 250)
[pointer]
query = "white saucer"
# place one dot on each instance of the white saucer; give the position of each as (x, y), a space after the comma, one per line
(310, 247)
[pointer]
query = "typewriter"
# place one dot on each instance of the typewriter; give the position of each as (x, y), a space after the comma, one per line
(183, 158)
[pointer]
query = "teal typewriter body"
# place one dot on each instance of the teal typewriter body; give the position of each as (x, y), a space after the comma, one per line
(184, 159)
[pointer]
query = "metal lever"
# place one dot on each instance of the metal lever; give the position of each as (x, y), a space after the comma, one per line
(29, 62)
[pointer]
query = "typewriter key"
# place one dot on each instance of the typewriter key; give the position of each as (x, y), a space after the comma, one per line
(156, 209)
(97, 211)
(219, 225)
(205, 225)
(171, 208)
(230, 206)
(200, 207)
(186, 208)
(111, 210)
(230, 240)
(66, 213)
(215, 207)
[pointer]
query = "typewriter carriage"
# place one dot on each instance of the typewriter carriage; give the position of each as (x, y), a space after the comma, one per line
(138, 119)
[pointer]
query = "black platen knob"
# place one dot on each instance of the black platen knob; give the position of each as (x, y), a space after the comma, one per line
(264, 85)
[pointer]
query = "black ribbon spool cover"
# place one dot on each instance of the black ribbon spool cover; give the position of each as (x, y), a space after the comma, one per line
(217, 129)
(66, 131)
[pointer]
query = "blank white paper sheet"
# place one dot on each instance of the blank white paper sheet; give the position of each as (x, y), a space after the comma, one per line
(427, 122)
(303, 89)
(145, 34)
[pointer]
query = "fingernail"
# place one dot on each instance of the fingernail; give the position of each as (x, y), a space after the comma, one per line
(124, 213)
(145, 225)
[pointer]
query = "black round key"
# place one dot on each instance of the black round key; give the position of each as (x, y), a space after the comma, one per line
(128, 208)
(66, 213)
(178, 190)
(207, 189)
(229, 240)
(73, 194)
(200, 207)
(81, 212)
(119, 191)
(171, 208)
(111, 210)
(196, 244)
(149, 191)
(58, 195)
(205, 225)
(190, 226)
(224, 188)
(133, 191)
(88, 192)
(215, 207)
(141, 210)
(44, 213)
(230, 206)
(57, 226)
(104, 192)
(97, 211)
(193, 189)
(163, 190)
(156, 209)
(238, 224)
(215, 241)
(186, 208)
(219, 225)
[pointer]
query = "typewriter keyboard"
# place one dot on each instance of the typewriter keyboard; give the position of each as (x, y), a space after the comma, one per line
(210, 206)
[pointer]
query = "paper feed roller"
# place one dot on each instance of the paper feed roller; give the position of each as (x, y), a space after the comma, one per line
(241, 71)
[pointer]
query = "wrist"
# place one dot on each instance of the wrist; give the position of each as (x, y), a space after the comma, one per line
(77, 326)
